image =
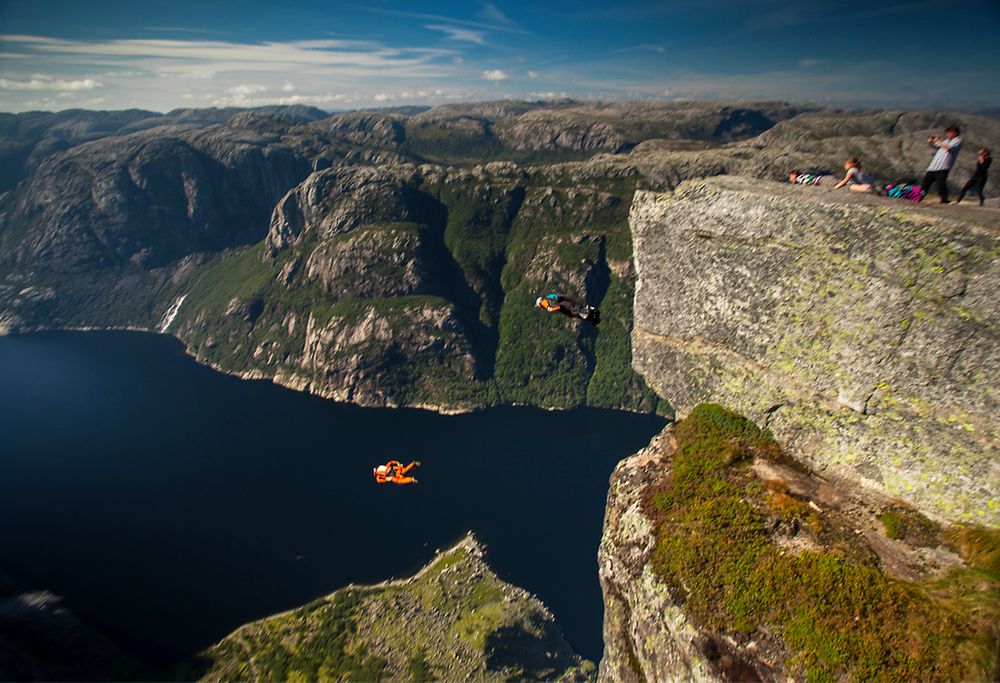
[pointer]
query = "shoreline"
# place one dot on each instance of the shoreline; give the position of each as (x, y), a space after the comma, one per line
(294, 383)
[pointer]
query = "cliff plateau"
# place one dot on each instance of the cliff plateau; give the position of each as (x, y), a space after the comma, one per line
(862, 332)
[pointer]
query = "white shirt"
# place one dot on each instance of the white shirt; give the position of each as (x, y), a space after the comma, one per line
(944, 159)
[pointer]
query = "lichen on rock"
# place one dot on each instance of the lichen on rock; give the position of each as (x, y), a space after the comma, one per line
(863, 335)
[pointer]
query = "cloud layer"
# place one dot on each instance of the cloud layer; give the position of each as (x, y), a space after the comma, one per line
(365, 54)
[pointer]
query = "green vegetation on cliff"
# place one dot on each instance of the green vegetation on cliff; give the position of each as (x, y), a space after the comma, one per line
(438, 309)
(836, 611)
(455, 620)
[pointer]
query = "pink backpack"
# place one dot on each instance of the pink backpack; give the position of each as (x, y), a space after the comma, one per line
(905, 191)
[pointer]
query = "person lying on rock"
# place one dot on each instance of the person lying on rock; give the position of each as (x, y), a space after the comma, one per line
(394, 472)
(797, 178)
(559, 303)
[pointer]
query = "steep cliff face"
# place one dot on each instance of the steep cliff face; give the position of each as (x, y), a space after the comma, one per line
(862, 332)
(415, 285)
(647, 636)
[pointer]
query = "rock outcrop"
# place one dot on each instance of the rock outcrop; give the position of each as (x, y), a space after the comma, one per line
(862, 331)
(723, 559)
(41, 639)
(337, 200)
(454, 620)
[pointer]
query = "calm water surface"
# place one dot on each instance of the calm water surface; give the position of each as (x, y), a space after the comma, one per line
(168, 503)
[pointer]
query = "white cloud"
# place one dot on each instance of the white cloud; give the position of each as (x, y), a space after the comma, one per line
(809, 63)
(39, 82)
(459, 33)
(550, 95)
(208, 58)
(244, 90)
(200, 74)
(46, 103)
(162, 74)
(316, 100)
(533, 74)
(506, 26)
(351, 99)
(490, 12)
(495, 75)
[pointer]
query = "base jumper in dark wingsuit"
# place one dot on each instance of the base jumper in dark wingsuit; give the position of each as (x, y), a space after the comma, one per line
(558, 303)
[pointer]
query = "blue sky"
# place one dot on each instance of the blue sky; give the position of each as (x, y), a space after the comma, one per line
(335, 55)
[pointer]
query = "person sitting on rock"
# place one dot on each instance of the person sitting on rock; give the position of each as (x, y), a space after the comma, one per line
(559, 303)
(854, 179)
(393, 472)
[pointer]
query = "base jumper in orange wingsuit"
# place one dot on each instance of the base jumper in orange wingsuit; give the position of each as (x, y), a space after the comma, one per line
(394, 472)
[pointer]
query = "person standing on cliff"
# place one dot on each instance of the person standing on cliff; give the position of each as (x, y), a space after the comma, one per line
(943, 161)
(977, 183)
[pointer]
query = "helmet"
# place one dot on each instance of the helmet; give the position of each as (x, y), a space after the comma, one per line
(538, 301)
(381, 469)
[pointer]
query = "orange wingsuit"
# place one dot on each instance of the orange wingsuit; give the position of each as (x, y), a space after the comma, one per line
(395, 473)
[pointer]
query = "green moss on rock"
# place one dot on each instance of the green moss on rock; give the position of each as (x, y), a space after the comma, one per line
(451, 621)
(837, 615)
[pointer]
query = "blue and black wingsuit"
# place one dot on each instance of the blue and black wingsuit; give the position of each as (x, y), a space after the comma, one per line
(559, 303)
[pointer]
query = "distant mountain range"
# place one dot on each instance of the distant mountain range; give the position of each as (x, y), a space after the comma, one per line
(388, 257)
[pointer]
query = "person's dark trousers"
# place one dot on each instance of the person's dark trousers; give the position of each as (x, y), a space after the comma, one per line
(976, 186)
(939, 177)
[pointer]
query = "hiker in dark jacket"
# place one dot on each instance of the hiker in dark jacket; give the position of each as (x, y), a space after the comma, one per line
(977, 183)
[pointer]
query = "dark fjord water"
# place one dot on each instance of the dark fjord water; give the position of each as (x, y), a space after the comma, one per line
(168, 503)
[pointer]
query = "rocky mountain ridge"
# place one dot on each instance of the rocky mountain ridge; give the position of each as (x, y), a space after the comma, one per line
(353, 226)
